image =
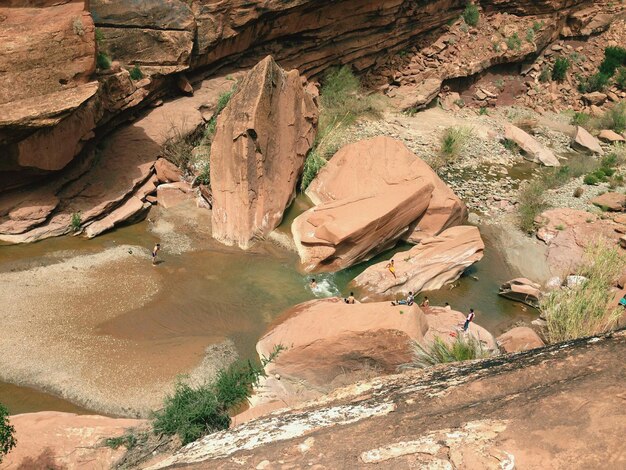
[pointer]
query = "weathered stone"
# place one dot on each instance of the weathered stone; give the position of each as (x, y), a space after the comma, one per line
(418, 97)
(534, 151)
(172, 194)
(521, 290)
(610, 201)
(378, 165)
(610, 136)
(520, 338)
(595, 98)
(132, 209)
(429, 265)
(586, 141)
(166, 171)
(257, 155)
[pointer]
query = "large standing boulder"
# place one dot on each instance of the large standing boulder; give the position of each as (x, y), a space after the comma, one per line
(337, 234)
(377, 165)
(258, 152)
(533, 150)
(329, 343)
(520, 338)
(428, 266)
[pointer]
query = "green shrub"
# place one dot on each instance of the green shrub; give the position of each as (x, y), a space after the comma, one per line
(578, 192)
(590, 180)
(439, 352)
(614, 57)
(514, 42)
(7, 433)
(537, 26)
(511, 145)
(559, 70)
(531, 203)
(192, 412)
(530, 35)
(99, 36)
(452, 142)
(580, 119)
(483, 111)
(312, 165)
(545, 74)
(103, 61)
(471, 15)
(582, 311)
(615, 118)
(136, 73)
(596, 82)
(620, 80)
(128, 440)
(75, 222)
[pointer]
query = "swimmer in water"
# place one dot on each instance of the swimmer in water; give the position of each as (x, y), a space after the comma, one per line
(313, 284)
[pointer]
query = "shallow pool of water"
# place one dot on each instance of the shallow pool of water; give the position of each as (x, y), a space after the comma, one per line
(28, 400)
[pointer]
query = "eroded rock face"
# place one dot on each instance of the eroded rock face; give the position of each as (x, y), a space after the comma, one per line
(375, 166)
(338, 234)
(533, 150)
(258, 152)
(520, 338)
(521, 290)
(329, 343)
(434, 262)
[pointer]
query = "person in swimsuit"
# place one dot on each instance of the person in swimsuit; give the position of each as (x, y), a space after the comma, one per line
(392, 269)
(425, 303)
(313, 284)
(350, 299)
(155, 253)
(410, 299)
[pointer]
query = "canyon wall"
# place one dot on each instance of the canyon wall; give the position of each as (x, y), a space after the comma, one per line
(53, 100)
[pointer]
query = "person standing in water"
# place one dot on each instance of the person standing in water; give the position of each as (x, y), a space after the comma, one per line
(392, 269)
(469, 319)
(155, 253)
(313, 284)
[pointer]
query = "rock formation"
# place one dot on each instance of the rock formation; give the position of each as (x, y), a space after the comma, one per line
(434, 262)
(520, 338)
(64, 440)
(338, 234)
(521, 290)
(330, 343)
(585, 141)
(379, 165)
(610, 201)
(257, 155)
(533, 150)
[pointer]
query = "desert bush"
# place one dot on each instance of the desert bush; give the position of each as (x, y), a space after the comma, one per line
(103, 61)
(136, 73)
(471, 15)
(537, 26)
(620, 80)
(590, 180)
(192, 412)
(75, 222)
(342, 102)
(530, 35)
(582, 311)
(463, 348)
(545, 74)
(514, 42)
(614, 118)
(7, 433)
(596, 82)
(559, 70)
(531, 203)
(578, 192)
(452, 142)
(614, 57)
(129, 440)
(483, 111)
(580, 119)
(511, 146)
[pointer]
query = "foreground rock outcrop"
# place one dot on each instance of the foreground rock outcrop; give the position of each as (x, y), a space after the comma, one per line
(485, 414)
(329, 343)
(436, 261)
(257, 155)
(54, 440)
(520, 338)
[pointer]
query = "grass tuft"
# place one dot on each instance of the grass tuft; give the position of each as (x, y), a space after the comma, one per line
(464, 348)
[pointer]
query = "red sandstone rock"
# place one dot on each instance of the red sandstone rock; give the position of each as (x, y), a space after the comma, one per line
(610, 136)
(64, 440)
(377, 165)
(338, 234)
(258, 152)
(433, 263)
(610, 201)
(520, 339)
(521, 290)
(173, 194)
(132, 209)
(586, 141)
(534, 151)
(166, 171)
(330, 343)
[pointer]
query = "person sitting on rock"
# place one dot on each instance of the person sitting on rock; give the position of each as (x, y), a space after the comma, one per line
(425, 303)
(447, 306)
(392, 269)
(469, 319)
(410, 300)
(350, 299)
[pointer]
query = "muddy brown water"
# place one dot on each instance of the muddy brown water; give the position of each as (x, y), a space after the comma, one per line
(213, 295)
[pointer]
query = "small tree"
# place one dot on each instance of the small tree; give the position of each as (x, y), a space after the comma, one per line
(7, 433)
(560, 68)
(471, 15)
(136, 73)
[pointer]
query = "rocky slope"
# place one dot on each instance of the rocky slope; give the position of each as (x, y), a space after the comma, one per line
(553, 407)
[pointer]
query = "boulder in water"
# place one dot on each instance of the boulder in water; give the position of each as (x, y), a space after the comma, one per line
(533, 150)
(521, 290)
(257, 155)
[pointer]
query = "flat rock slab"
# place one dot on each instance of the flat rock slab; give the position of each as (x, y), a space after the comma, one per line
(615, 202)
(533, 150)
(586, 141)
